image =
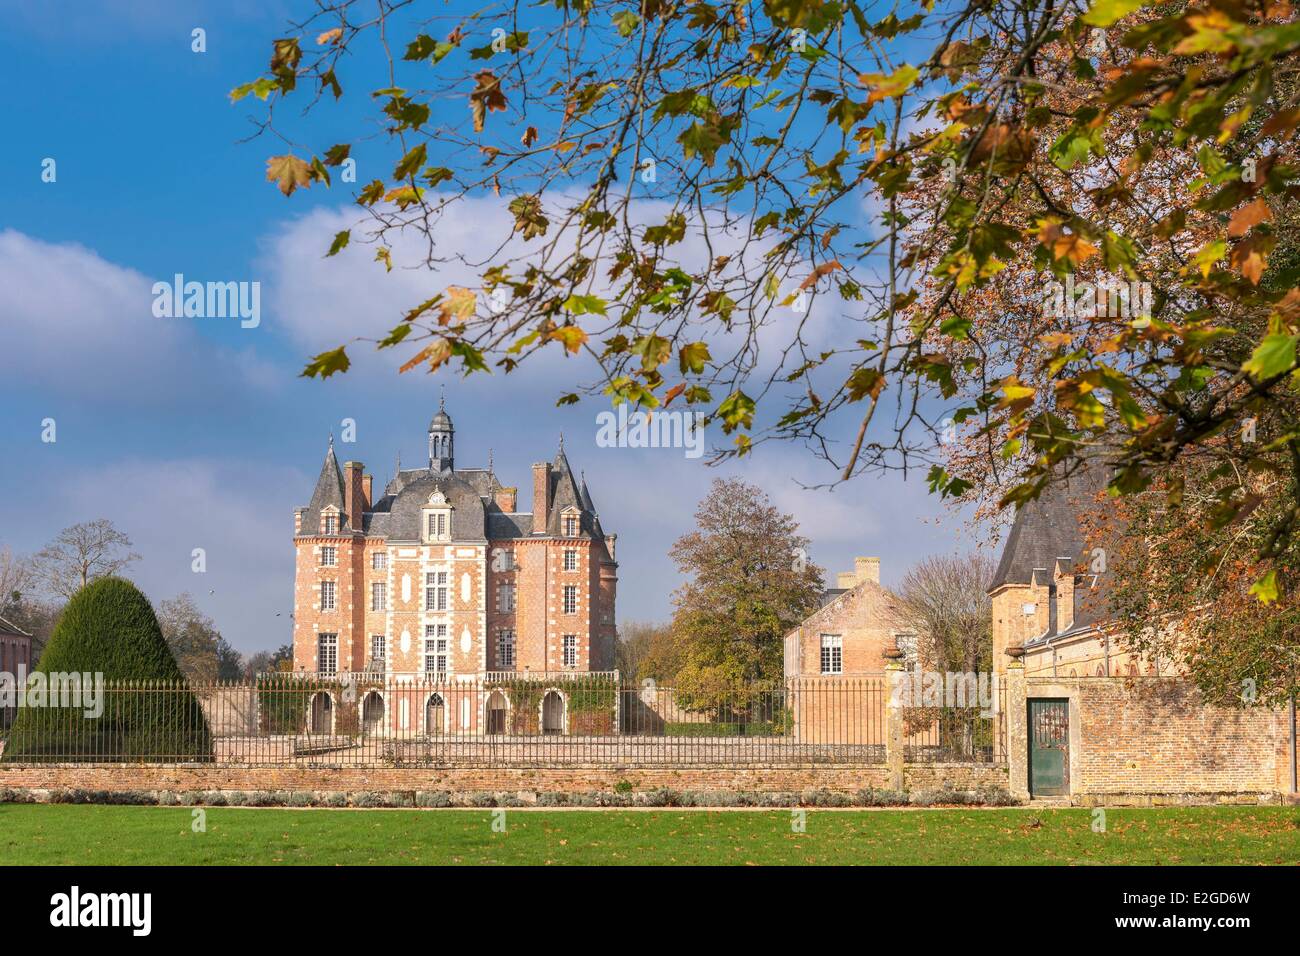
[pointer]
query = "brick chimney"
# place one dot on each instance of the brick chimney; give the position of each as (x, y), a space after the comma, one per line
(541, 496)
(1064, 581)
(367, 491)
(867, 569)
(353, 493)
(846, 580)
(508, 499)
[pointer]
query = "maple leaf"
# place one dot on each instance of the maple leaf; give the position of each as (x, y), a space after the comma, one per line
(289, 172)
(1250, 256)
(1247, 216)
(485, 98)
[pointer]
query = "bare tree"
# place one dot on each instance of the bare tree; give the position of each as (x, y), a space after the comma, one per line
(80, 554)
(15, 578)
(947, 600)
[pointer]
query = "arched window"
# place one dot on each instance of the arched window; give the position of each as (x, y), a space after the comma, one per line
(372, 713)
(496, 713)
(552, 713)
(435, 715)
(322, 714)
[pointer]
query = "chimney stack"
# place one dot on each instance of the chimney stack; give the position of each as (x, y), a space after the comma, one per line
(507, 499)
(846, 579)
(353, 493)
(367, 491)
(541, 496)
(867, 569)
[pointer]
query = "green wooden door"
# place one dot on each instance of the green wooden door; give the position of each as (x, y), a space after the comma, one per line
(1049, 747)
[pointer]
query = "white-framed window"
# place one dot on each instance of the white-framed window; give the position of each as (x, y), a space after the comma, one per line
(435, 591)
(569, 649)
(832, 654)
(329, 557)
(570, 524)
(435, 649)
(570, 599)
(329, 523)
(328, 595)
(378, 647)
(437, 525)
(505, 649)
(570, 559)
(505, 597)
(503, 559)
(379, 561)
(327, 653)
(378, 596)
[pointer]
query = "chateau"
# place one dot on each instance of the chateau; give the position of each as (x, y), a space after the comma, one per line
(444, 577)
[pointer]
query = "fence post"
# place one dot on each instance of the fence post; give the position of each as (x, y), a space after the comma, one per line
(1017, 729)
(894, 676)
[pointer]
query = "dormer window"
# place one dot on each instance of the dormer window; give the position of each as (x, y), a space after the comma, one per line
(437, 518)
(329, 522)
(570, 525)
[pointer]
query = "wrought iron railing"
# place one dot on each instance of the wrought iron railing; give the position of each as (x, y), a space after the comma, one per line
(499, 719)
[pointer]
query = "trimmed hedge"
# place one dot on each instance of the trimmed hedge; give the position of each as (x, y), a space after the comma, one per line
(109, 629)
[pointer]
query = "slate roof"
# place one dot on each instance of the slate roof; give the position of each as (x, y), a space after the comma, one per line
(396, 515)
(1048, 527)
(1048, 532)
(329, 491)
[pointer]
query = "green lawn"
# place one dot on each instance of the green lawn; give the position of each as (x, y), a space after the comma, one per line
(78, 834)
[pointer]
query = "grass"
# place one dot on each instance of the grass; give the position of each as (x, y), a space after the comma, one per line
(80, 834)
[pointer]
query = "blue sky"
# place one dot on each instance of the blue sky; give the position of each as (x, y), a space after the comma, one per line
(196, 433)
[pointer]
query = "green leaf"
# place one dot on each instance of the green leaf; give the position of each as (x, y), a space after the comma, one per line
(409, 163)
(327, 363)
(692, 356)
(1272, 357)
(585, 305)
(340, 242)
(1266, 588)
(1103, 13)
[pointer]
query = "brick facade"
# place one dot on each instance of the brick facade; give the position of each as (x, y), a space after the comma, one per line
(435, 576)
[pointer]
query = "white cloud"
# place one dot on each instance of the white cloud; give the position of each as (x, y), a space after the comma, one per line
(73, 323)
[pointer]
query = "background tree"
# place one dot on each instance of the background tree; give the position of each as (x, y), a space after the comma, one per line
(686, 180)
(946, 599)
(81, 554)
(265, 662)
(15, 579)
(647, 651)
(749, 584)
(200, 650)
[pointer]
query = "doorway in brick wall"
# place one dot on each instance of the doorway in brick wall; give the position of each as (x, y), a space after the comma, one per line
(1049, 747)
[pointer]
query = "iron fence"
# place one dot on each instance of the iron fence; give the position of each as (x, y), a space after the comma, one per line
(495, 720)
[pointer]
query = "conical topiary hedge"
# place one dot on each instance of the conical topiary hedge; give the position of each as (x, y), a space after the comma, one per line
(149, 712)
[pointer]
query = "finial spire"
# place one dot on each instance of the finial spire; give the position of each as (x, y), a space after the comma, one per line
(489, 461)
(561, 441)
(442, 397)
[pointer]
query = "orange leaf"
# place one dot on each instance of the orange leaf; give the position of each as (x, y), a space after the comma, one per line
(330, 36)
(1247, 216)
(826, 268)
(1250, 256)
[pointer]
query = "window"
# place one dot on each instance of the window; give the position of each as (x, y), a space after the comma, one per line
(570, 599)
(330, 524)
(435, 649)
(378, 596)
(327, 595)
(505, 598)
(327, 653)
(505, 649)
(378, 648)
(832, 654)
(570, 559)
(379, 561)
(329, 557)
(437, 525)
(570, 649)
(435, 591)
(570, 526)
